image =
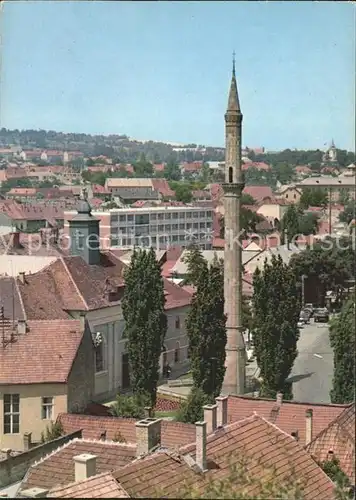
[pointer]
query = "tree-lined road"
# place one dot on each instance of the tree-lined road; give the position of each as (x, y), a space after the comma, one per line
(313, 369)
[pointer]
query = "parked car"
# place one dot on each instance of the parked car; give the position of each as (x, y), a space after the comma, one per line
(300, 324)
(321, 315)
(304, 316)
(309, 307)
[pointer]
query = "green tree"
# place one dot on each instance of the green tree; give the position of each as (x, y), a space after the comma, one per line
(53, 431)
(195, 264)
(276, 332)
(206, 330)
(205, 172)
(290, 224)
(130, 406)
(183, 192)
(343, 342)
(142, 167)
(90, 162)
(337, 475)
(247, 199)
(327, 265)
(344, 196)
(191, 410)
(172, 171)
(308, 223)
(248, 221)
(145, 321)
(348, 214)
(314, 197)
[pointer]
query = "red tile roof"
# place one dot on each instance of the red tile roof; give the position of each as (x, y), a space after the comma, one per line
(42, 355)
(259, 193)
(162, 186)
(98, 189)
(290, 416)
(70, 283)
(100, 486)
(263, 446)
(173, 433)
(176, 296)
(57, 469)
(339, 438)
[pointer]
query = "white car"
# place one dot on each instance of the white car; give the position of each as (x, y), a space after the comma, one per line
(300, 324)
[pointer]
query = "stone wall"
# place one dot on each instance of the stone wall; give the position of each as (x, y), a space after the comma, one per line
(14, 468)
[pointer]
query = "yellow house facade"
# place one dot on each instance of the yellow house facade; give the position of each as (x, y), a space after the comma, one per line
(47, 369)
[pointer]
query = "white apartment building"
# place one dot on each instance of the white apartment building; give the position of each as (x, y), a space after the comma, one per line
(159, 227)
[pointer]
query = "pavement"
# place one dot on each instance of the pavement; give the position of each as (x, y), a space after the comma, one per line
(313, 369)
(312, 372)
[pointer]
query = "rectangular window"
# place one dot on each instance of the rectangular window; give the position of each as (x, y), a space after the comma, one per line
(174, 227)
(161, 227)
(47, 408)
(181, 215)
(11, 413)
(196, 225)
(122, 230)
(167, 227)
(196, 215)
(122, 218)
(202, 214)
(167, 216)
(153, 216)
(175, 215)
(99, 359)
(208, 214)
(153, 229)
(130, 218)
(189, 215)
(202, 225)
(174, 237)
(114, 218)
(160, 217)
(115, 242)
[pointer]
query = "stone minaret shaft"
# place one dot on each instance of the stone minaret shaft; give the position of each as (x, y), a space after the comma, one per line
(234, 382)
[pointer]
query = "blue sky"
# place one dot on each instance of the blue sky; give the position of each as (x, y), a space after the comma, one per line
(161, 70)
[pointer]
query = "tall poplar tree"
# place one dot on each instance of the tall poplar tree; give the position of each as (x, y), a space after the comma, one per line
(276, 308)
(343, 342)
(145, 321)
(206, 329)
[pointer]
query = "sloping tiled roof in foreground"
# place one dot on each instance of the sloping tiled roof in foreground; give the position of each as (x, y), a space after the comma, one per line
(100, 486)
(289, 416)
(338, 438)
(174, 434)
(57, 469)
(261, 444)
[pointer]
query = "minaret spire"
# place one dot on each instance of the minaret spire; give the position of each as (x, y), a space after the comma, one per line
(233, 103)
(234, 380)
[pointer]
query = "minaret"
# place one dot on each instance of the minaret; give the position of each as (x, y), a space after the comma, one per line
(234, 382)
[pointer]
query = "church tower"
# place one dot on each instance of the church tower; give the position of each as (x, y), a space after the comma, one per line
(234, 381)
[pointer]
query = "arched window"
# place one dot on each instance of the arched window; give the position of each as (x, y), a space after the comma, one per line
(230, 175)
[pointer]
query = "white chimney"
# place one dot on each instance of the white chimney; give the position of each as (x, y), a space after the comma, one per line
(82, 320)
(21, 326)
(308, 426)
(200, 445)
(210, 417)
(279, 398)
(22, 277)
(84, 466)
(221, 401)
(34, 493)
(148, 435)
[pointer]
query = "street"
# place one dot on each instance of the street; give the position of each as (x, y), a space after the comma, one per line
(313, 369)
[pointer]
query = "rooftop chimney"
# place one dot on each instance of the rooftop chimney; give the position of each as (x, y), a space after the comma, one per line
(27, 439)
(34, 493)
(22, 277)
(148, 412)
(200, 444)
(221, 401)
(148, 435)
(21, 326)
(210, 417)
(279, 398)
(84, 466)
(82, 319)
(308, 426)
